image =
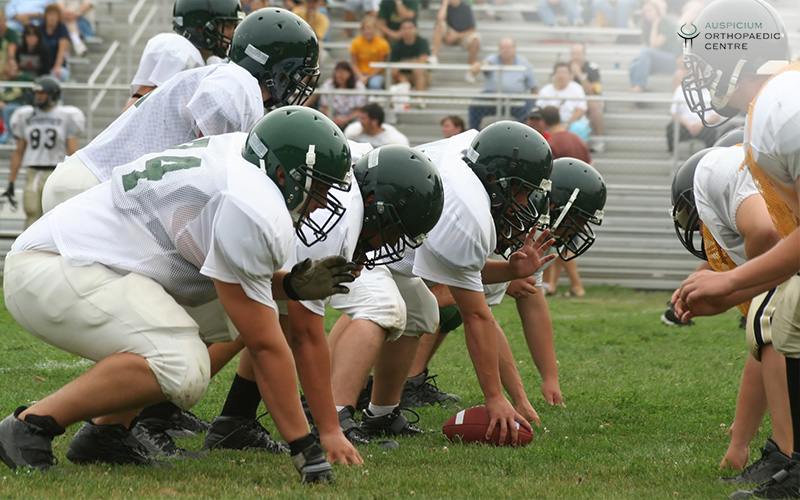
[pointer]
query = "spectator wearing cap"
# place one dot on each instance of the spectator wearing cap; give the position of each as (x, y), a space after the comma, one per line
(452, 125)
(511, 82)
(661, 45)
(535, 120)
(564, 143)
(568, 97)
(455, 24)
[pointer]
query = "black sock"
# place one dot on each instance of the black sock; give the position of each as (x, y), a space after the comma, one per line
(46, 425)
(793, 382)
(159, 410)
(243, 399)
(298, 445)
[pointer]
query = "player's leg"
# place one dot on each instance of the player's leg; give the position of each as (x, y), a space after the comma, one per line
(70, 178)
(141, 339)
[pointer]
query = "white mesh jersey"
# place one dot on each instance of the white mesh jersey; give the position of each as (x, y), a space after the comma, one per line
(456, 249)
(721, 184)
(181, 217)
(343, 238)
(210, 100)
(164, 56)
(773, 137)
(46, 132)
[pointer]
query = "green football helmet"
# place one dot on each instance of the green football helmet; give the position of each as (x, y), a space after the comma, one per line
(403, 197)
(511, 160)
(684, 210)
(202, 22)
(314, 157)
(576, 201)
(281, 51)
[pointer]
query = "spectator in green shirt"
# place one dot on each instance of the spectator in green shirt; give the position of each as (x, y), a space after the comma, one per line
(12, 98)
(411, 48)
(9, 40)
(393, 12)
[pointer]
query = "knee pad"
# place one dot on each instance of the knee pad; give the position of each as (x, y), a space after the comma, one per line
(449, 319)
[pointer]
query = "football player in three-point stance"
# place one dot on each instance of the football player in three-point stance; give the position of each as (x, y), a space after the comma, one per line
(46, 132)
(139, 273)
(487, 194)
(720, 217)
(203, 31)
(757, 78)
(274, 61)
(395, 199)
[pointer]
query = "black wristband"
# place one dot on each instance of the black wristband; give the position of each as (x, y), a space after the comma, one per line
(137, 96)
(287, 287)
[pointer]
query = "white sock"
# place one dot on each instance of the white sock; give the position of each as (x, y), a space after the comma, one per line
(380, 411)
(339, 408)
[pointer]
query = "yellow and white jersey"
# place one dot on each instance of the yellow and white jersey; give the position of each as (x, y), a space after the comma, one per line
(181, 217)
(774, 130)
(46, 132)
(211, 100)
(164, 56)
(721, 184)
(456, 249)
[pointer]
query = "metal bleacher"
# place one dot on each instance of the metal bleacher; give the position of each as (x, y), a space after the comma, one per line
(636, 244)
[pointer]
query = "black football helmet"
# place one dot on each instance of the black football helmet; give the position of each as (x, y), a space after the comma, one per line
(281, 50)
(577, 199)
(730, 138)
(684, 210)
(511, 159)
(314, 162)
(49, 86)
(403, 200)
(717, 63)
(202, 22)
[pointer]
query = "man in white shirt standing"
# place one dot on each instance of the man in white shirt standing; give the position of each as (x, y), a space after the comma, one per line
(180, 244)
(274, 61)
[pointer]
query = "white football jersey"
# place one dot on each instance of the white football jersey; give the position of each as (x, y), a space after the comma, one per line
(164, 56)
(181, 217)
(211, 100)
(46, 132)
(721, 184)
(456, 249)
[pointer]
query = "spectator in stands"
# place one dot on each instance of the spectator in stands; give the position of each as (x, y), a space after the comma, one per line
(455, 24)
(79, 20)
(392, 12)
(411, 48)
(661, 45)
(587, 75)
(370, 128)
(309, 10)
(33, 58)
(351, 10)
(511, 82)
(535, 120)
(564, 143)
(452, 125)
(615, 13)
(691, 127)
(12, 98)
(22, 12)
(250, 5)
(9, 41)
(342, 109)
(367, 48)
(56, 38)
(560, 12)
(566, 95)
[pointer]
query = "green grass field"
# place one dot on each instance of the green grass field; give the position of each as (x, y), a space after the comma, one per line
(647, 410)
